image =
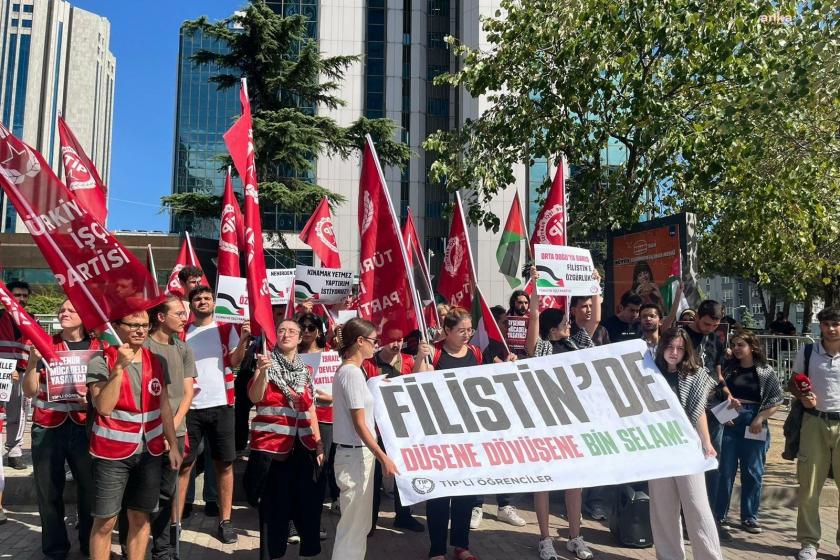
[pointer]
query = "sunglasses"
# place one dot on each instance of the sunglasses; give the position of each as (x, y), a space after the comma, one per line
(309, 328)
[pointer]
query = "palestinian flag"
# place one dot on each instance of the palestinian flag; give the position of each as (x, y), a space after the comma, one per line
(670, 287)
(514, 234)
(486, 328)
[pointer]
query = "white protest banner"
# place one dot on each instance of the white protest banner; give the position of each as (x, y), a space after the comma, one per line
(326, 285)
(280, 282)
(67, 377)
(594, 417)
(231, 300)
(7, 368)
(564, 271)
(322, 366)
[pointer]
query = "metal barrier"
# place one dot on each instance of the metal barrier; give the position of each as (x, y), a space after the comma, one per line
(48, 322)
(781, 353)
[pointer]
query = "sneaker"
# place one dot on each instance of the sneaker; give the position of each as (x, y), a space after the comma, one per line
(17, 463)
(509, 515)
(462, 552)
(409, 524)
(322, 535)
(546, 548)
(580, 548)
(807, 552)
(723, 533)
(752, 526)
(335, 508)
(294, 538)
(476, 517)
(68, 476)
(211, 509)
(226, 533)
(726, 523)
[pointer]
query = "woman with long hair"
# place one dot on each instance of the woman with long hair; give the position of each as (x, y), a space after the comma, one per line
(58, 436)
(754, 384)
(284, 395)
(644, 284)
(549, 333)
(354, 434)
(678, 362)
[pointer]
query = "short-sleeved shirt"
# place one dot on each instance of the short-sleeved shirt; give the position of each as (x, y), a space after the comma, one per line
(179, 363)
(350, 392)
(824, 371)
(619, 330)
(209, 364)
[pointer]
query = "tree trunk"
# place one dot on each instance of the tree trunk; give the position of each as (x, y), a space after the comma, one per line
(786, 308)
(769, 308)
(808, 314)
(831, 293)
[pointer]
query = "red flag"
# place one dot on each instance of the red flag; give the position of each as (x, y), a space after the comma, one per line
(386, 287)
(550, 228)
(231, 233)
(318, 233)
(422, 279)
(105, 281)
(240, 144)
(29, 328)
(186, 257)
(457, 276)
(486, 327)
(80, 174)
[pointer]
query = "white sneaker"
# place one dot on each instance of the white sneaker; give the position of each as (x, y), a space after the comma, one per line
(547, 552)
(509, 515)
(335, 508)
(476, 517)
(807, 552)
(579, 547)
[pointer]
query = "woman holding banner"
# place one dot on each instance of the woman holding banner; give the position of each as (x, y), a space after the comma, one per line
(285, 433)
(59, 435)
(678, 362)
(549, 333)
(354, 434)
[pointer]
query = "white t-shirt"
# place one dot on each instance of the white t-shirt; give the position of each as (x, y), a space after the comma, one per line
(350, 392)
(824, 371)
(209, 364)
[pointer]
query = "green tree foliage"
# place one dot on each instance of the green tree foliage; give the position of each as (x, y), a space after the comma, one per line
(288, 80)
(45, 301)
(717, 108)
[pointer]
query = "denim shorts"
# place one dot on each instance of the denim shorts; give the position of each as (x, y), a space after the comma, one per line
(134, 481)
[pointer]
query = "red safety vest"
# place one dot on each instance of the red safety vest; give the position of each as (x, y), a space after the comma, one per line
(53, 414)
(119, 435)
(277, 424)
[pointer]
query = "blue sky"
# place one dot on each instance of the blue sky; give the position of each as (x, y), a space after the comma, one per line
(144, 39)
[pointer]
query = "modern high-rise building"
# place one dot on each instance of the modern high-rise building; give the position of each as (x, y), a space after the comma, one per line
(55, 59)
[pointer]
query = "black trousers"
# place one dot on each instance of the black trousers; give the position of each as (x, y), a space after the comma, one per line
(51, 447)
(440, 512)
(402, 512)
(328, 472)
(502, 500)
(242, 408)
(292, 492)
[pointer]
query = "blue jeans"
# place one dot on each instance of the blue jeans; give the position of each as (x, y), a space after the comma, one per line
(750, 455)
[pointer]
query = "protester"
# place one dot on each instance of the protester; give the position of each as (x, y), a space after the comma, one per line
(14, 347)
(549, 333)
(168, 320)
(496, 352)
(754, 385)
(782, 326)
(130, 423)
(677, 361)
(518, 304)
(453, 353)
(650, 323)
(284, 432)
(355, 440)
(442, 309)
(624, 325)
(190, 278)
(217, 349)
(688, 315)
(819, 435)
(58, 436)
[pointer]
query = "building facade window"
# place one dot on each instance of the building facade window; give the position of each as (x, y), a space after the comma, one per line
(20, 85)
(375, 59)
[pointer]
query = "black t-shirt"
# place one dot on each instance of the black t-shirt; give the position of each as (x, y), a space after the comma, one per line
(494, 350)
(709, 349)
(448, 361)
(673, 379)
(83, 344)
(783, 327)
(743, 383)
(619, 330)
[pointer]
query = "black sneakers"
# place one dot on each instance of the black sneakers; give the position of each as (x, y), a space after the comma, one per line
(226, 533)
(17, 463)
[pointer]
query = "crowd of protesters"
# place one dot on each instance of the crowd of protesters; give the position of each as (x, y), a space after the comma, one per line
(167, 403)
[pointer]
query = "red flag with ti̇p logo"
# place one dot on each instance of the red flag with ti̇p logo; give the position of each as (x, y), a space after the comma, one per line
(318, 233)
(550, 228)
(80, 174)
(231, 233)
(457, 276)
(29, 328)
(240, 143)
(104, 281)
(386, 289)
(186, 257)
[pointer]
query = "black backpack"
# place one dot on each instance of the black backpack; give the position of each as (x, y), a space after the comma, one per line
(630, 516)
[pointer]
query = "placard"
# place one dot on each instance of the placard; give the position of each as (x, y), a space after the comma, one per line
(67, 377)
(7, 368)
(231, 300)
(564, 271)
(322, 366)
(280, 282)
(517, 332)
(326, 285)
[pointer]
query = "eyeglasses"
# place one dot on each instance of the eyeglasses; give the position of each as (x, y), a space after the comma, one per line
(290, 332)
(133, 327)
(181, 314)
(309, 328)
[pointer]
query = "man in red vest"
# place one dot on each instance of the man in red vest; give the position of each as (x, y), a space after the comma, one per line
(132, 428)
(12, 347)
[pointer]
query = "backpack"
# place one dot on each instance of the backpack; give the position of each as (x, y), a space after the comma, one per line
(630, 516)
(793, 423)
